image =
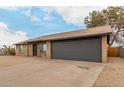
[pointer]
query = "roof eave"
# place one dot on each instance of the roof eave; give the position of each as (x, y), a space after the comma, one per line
(93, 35)
(40, 40)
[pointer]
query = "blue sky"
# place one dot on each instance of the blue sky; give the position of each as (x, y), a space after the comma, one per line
(17, 20)
(21, 23)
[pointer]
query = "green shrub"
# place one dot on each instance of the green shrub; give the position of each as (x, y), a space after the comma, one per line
(8, 50)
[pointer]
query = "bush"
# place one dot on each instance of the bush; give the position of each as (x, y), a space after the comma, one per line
(12, 51)
(8, 50)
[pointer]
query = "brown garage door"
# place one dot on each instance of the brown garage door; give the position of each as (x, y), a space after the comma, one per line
(87, 49)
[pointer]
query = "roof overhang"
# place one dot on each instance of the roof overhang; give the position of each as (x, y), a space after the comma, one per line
(90, 32)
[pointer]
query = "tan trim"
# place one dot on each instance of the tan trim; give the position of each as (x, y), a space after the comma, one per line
(104, 49)
(48, 52)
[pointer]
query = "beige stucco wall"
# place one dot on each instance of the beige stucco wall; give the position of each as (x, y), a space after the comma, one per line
(30, 50)
(38, 50)
(18, 52)
(23, 52)
(48, 52)
(104, 49)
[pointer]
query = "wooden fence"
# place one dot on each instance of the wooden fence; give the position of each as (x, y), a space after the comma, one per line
(113, 52)
(121, 51)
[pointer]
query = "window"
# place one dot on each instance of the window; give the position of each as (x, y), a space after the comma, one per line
(42, 47)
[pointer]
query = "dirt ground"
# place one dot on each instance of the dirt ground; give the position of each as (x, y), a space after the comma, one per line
(18, 71)
(112, 74)
(7, 61)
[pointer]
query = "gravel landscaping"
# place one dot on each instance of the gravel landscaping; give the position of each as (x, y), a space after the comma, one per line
(112, 75)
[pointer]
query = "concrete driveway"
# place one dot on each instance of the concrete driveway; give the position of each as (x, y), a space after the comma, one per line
(34, 71)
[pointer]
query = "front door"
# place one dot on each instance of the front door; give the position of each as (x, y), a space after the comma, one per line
(34, 49)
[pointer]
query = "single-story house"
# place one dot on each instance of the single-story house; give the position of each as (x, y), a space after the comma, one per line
(88, 45)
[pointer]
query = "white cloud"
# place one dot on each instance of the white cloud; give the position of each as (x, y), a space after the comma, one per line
(47, 17)
(9, 37)
(25, 10)
(76, 14)
(71, 14)
(30, 14)
(46, 13)
(3, 26)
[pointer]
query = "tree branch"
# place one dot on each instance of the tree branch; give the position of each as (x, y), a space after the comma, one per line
(114, 37)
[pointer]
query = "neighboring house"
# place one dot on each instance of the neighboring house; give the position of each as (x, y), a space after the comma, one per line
(87, 45)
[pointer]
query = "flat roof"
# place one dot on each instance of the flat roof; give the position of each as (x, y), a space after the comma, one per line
(94, 31)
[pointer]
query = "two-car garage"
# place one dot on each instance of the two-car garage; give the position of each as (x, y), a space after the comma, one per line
(87, 49)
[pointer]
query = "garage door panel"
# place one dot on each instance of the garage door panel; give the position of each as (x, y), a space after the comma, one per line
(87, 49)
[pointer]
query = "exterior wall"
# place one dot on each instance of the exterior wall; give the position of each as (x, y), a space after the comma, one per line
(38, 50)
(104, 49)
(48, 52)
(18, 52)
(30, 50)
(23, 52)
(39, 53)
